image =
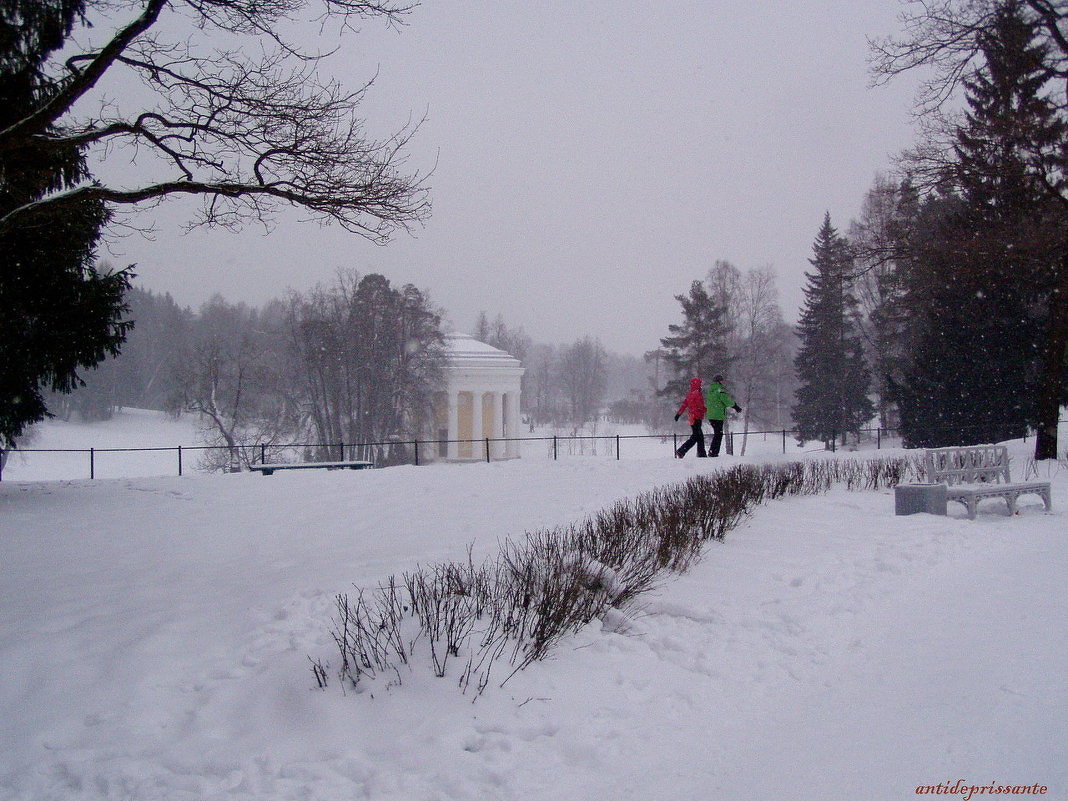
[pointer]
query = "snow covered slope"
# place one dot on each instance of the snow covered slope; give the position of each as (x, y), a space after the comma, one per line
(155, 635)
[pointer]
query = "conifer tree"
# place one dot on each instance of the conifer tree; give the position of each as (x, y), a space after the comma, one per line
(833, 397)
(58, 313)
(981, 285)
(1021, 51)
(698, 347)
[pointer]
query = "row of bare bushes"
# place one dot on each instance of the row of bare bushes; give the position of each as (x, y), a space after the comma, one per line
(478, 623)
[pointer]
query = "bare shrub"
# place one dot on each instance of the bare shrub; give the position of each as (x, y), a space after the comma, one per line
(553, 582)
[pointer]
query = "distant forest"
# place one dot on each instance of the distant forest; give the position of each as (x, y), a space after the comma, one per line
(147, 374)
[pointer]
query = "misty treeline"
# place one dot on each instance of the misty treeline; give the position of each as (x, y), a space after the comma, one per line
(568, 386)
(356, 361)
(349, 364)
(575, 386)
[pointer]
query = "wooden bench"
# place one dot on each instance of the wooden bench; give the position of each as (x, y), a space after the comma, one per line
(268, 469)
(979, 471)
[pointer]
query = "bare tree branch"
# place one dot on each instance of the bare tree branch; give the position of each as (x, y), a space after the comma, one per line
(247, 135)
(942, 36)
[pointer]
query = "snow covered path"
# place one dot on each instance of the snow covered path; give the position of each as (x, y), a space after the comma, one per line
(155, 634)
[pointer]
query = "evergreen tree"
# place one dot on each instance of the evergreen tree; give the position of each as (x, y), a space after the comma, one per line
(699, 346)
(980, 285)
(833, 397)
(58, 313)
(1018, 103)
(955, 387)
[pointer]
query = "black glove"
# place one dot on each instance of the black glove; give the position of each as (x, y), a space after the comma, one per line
(677, 416)
(737, 408)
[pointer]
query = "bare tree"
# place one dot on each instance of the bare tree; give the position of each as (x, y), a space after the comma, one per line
(544, 404)
(759, 347)
(370, 358)
(232, 375)
(725, 288)
(247, 134)
(880, 266)
(943, 37)
(583, 375)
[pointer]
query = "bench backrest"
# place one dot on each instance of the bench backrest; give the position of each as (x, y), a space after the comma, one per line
(971, 465)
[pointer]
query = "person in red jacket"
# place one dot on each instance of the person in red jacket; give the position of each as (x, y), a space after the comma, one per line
(694, 406)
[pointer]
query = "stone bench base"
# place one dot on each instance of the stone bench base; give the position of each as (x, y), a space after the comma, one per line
(910, 499)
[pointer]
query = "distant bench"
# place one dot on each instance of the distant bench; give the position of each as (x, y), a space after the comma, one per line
(268, 469)
(979, 471)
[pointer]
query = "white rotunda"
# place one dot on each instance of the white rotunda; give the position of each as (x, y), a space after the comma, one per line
(480, 402)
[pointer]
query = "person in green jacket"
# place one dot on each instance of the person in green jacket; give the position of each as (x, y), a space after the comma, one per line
(717, 401)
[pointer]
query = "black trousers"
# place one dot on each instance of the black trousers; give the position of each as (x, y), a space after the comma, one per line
(696, 438)
(717, 436)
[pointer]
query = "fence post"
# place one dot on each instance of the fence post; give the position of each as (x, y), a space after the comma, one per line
(341, 447)
(784, 441)
(487, 450)
(834, 442)
(92, 463)
(554, 447)
(263, 453)
(617, 447)
(417, 453)
(675, 444)
(179, 460)
(879, 438)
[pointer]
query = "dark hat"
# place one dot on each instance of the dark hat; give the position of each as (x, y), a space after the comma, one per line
(717, 378)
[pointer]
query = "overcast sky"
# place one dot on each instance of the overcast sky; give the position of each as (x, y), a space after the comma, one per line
(590, 159)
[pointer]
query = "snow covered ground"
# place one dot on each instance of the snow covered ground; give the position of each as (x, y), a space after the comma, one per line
(142, 443)
(155, 635)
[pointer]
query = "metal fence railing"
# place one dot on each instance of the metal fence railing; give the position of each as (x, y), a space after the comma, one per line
(423, 451)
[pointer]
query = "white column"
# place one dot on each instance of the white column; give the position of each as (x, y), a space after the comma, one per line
(496, 431)
(454, 422)
(507, 415)
(478, 448)
(513, 421)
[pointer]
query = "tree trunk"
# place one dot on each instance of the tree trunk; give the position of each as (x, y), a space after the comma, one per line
(1050, 383)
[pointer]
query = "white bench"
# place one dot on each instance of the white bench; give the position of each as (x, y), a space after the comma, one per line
(979, 471)
(268, 469)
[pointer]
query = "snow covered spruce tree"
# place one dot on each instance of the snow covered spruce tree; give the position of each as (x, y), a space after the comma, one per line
(832, 400)
(964, 44)
(981, 279)
(700, 345)
(248, 126)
